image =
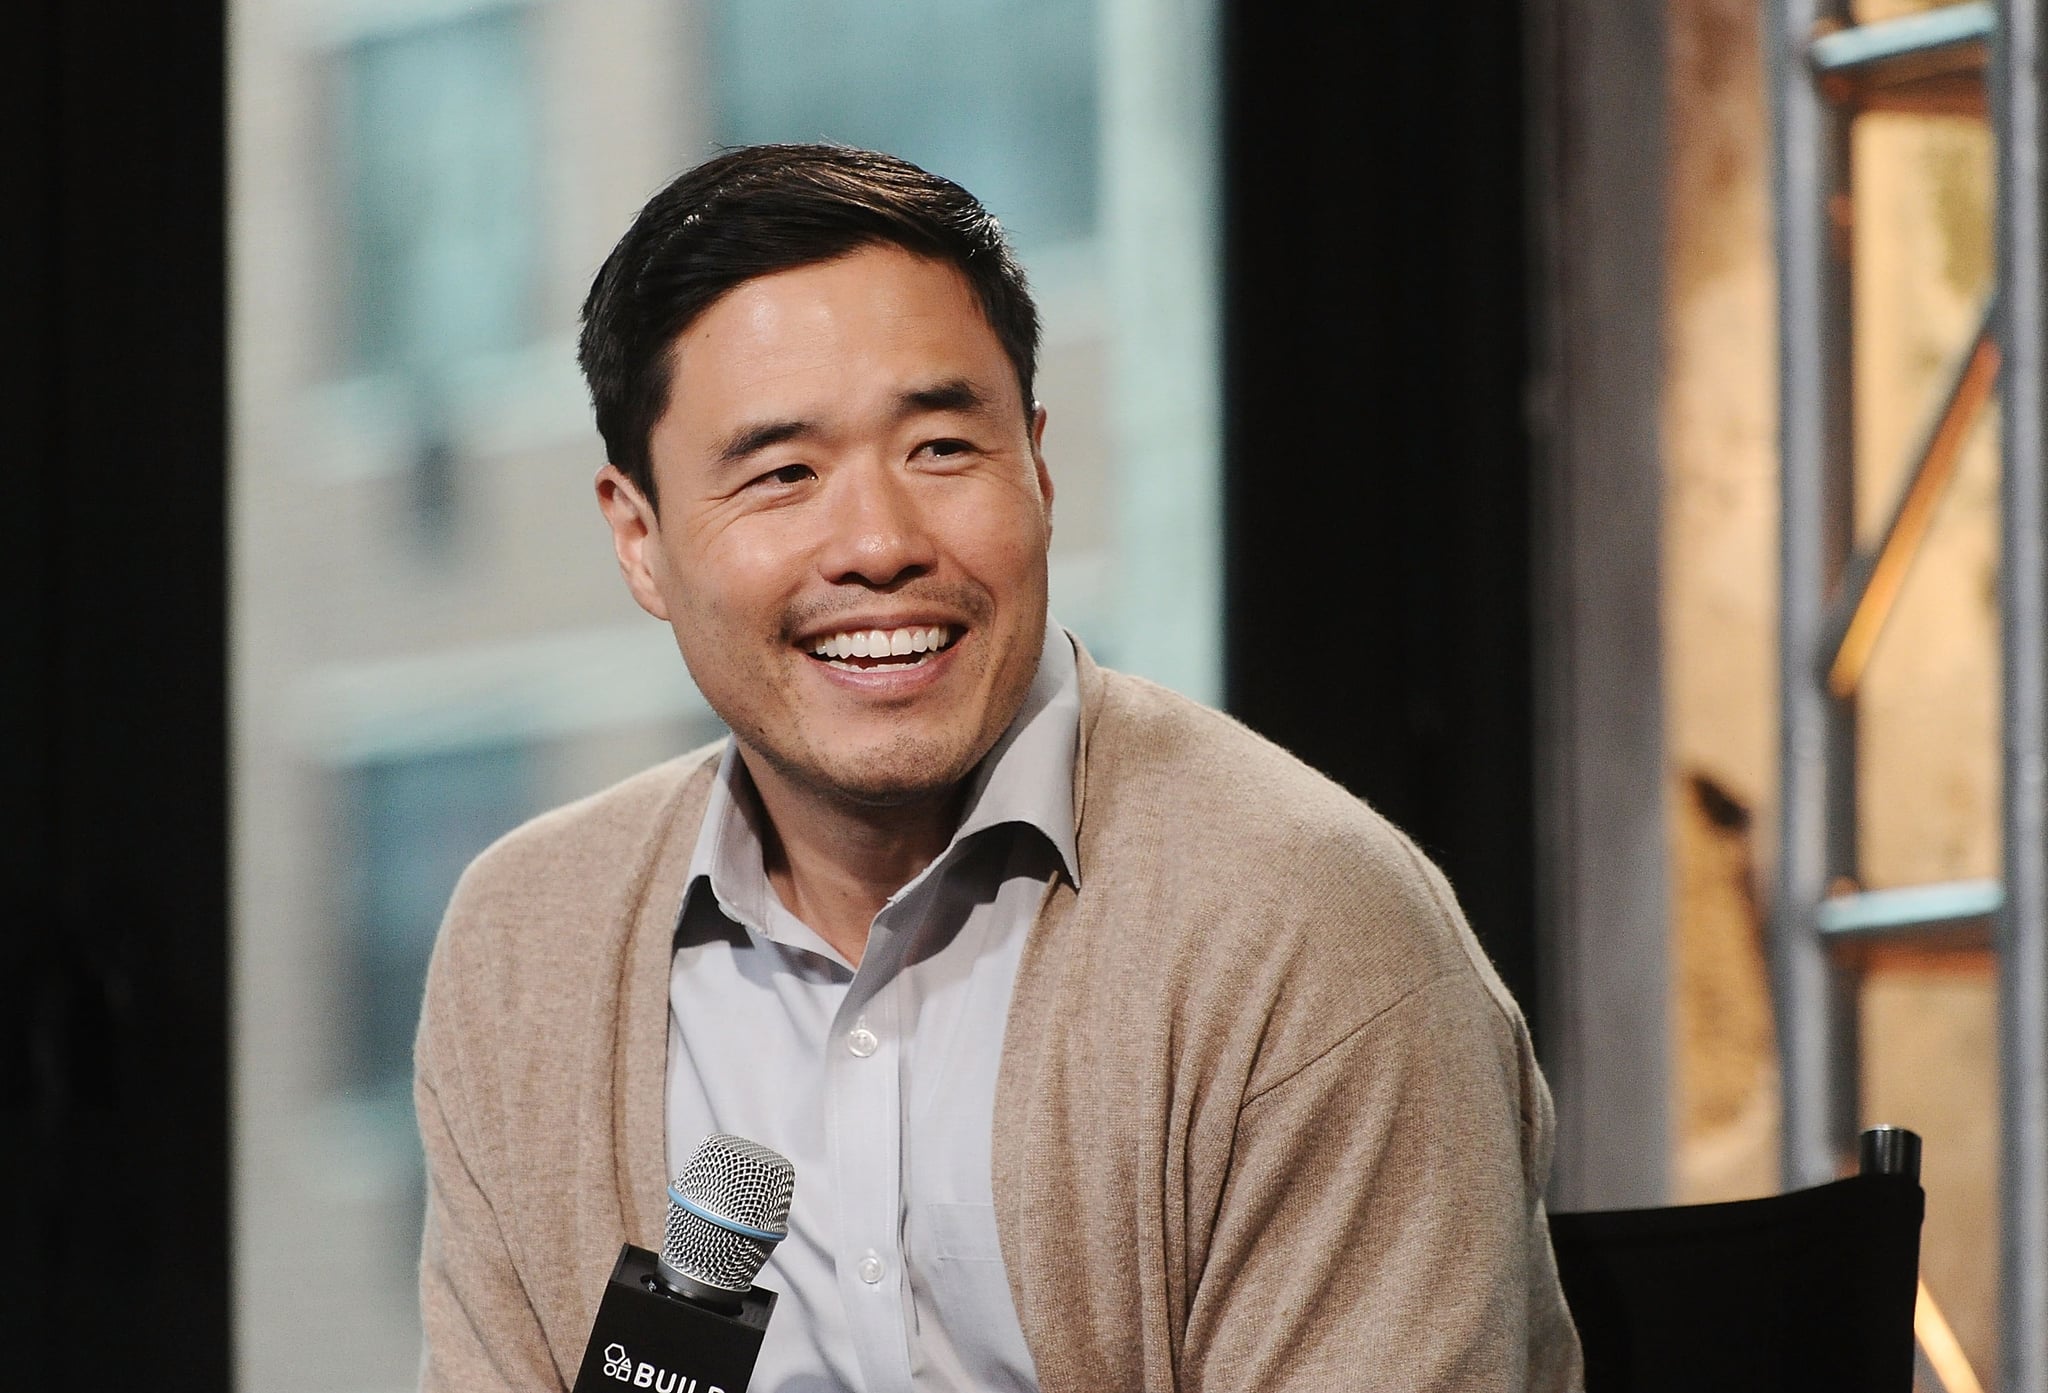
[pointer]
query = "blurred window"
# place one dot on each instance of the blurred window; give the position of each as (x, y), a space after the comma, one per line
(441, 151)
(442, 166)
(998, 95)
(413, 822)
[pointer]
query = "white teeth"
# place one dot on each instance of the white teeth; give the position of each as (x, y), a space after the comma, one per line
(881, 643)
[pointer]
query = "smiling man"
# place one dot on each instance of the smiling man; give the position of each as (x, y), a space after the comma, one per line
(1114, 1048)
(851, 547)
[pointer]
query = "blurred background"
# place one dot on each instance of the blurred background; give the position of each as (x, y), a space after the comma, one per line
(1413, 391)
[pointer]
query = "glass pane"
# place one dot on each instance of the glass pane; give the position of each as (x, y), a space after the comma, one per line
(1009, 112)
(438, 124)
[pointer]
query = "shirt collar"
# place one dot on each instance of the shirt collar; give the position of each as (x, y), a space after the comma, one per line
(1027, 779)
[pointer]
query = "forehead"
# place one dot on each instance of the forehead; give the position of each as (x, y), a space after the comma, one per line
(868, 322)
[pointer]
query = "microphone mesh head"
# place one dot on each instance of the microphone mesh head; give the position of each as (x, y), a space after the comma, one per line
(742, 1183)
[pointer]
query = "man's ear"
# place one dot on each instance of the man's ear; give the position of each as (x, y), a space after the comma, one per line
(1038, 458)
(636, 537)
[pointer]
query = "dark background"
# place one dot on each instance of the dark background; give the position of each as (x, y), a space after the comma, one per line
(1377, 513)
(113, 985)
(1377, 463)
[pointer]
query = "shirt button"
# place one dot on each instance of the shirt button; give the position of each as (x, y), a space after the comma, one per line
(863, 1043)
(871, 1269)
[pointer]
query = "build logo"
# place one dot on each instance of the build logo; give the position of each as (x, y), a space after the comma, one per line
(640, 1374)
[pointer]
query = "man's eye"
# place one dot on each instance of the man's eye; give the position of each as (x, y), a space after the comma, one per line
(944, 449)
(788, 474)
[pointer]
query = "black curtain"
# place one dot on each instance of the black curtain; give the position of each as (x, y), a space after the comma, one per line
(113, 961)
(1377, 496)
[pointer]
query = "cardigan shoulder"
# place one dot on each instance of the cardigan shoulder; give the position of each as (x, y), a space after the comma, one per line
(1255, 1051)
(574, 858)
(1226, 853)
(540, 910)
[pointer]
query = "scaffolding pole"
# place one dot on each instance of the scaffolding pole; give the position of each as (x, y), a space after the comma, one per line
(2022, 927)
(1814, 999)
(1824, 69)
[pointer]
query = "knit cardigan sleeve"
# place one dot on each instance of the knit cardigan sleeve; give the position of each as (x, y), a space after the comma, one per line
(1268, 1118)
(1377, 1224)
(538, 1069)
(481, 1334)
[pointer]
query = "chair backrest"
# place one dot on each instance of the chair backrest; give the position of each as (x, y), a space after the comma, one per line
(1811, 1290)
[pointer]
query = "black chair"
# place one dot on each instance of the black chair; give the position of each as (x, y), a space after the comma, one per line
(1811, 1290)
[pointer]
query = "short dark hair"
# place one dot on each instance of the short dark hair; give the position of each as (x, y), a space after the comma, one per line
(752, 212)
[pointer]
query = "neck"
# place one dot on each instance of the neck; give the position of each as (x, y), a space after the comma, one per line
(834, 864)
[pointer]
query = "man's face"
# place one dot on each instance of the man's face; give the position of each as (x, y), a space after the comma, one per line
(844, 455)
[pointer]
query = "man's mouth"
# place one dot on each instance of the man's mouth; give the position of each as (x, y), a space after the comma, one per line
(870, 650)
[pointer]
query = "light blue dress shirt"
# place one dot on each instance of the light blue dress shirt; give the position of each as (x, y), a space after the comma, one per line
(878, 1083)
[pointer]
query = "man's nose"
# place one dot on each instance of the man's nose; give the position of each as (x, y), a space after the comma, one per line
(876, 529)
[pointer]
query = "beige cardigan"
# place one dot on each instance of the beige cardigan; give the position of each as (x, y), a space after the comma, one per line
(1266, 1120)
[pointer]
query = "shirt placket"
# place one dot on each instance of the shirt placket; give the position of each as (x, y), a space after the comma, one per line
(864, 1072)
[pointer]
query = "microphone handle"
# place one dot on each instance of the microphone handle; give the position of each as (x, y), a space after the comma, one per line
(646, 1336)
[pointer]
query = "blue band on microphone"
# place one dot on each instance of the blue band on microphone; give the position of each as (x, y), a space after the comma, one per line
(720, 1221)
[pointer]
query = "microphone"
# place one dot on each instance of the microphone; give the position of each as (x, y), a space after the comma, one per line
(691, 1319)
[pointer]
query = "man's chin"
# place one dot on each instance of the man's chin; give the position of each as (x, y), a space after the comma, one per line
(900, 775)
(905, 789)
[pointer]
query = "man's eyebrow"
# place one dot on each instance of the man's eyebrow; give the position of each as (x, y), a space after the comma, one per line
(759, 436)
(955, 394)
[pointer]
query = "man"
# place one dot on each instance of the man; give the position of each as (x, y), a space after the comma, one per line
(1114, 1048)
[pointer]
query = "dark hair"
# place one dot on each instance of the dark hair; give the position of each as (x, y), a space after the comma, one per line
(755, 211)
